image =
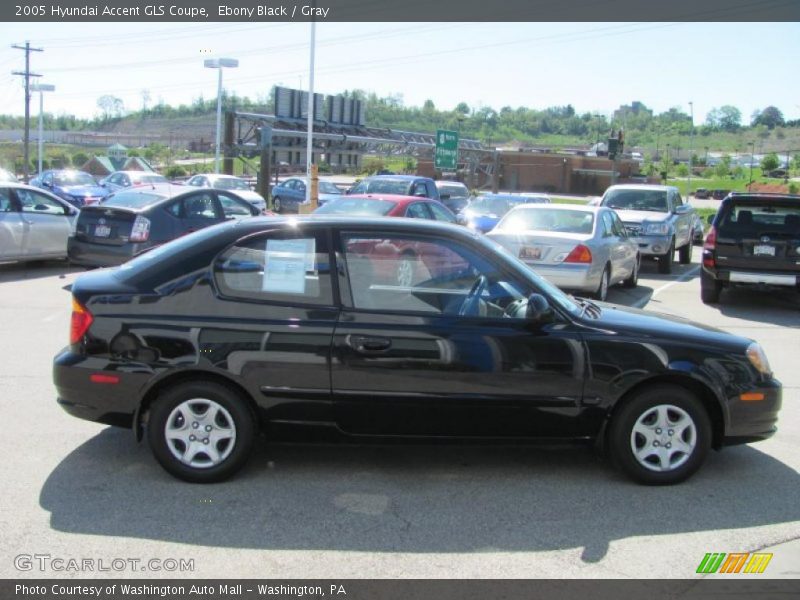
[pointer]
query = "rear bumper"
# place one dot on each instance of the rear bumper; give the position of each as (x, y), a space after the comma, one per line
(111, 404)
(752, 421)
(101, 255)
(744, 277)
(585, 278)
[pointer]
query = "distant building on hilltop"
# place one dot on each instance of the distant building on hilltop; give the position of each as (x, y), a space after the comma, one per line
(117, 159)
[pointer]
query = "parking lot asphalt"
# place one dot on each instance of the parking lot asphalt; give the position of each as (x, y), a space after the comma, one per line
(74, 489)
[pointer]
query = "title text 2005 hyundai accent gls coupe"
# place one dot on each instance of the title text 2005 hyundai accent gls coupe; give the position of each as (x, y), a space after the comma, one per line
(205, 341)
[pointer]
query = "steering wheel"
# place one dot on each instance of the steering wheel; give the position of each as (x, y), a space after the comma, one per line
(471, 304)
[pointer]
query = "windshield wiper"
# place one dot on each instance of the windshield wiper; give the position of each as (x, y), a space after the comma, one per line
(588, 307)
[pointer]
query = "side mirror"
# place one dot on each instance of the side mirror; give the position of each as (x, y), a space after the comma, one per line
(539, 309)
(682, 209)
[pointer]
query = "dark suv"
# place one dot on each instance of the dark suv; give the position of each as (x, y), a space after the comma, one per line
(754, 241)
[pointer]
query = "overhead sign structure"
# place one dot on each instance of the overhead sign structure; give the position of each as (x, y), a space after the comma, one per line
(445, 156)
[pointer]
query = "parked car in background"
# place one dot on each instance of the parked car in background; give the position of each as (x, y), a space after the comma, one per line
(581, 248)
(387, 205)
(134, 220)
(754, 242)
(702, 193)
(290, 194)
(453, 194)
(237, 185)
(719, 194)
(485, 211)
(289, 320)
(34, 224)
(76, 187)
(6, 175)
(398, 185)
(120, 180)
(657, 219)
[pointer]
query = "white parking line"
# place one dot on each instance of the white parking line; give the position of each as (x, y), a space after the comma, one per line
(685, 277)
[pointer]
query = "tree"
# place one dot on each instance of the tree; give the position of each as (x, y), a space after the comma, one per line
(110, 106)
(79, 159)
(771, 117)
(770, 162)
(727, 118)
(462, 108)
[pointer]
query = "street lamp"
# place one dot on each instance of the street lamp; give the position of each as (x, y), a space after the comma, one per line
(41, 88)
(219, 64)
(691, 134)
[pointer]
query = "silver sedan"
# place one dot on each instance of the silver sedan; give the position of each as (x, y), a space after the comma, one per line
(584, 248)
(34, 224)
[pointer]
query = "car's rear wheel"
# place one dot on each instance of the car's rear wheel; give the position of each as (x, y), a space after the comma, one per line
(602, 289)
(685, 253)
(665, 261)
(661, 435)
(710, 289)
(633, 280)
(277, 204)
(201, 431)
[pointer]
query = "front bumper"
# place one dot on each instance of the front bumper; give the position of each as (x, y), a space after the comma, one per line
(753, 421)
(653, 245)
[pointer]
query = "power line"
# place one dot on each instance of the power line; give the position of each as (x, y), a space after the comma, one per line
(27, 75)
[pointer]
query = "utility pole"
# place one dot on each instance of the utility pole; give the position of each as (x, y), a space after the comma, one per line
(27, 75)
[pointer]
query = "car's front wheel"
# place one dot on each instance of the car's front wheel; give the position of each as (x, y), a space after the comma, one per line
(685, 253)
(665, 261)
(661, 435)
(633, 280)
(201, 431)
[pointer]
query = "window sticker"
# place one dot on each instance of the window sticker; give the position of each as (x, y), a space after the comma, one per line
(286, 264)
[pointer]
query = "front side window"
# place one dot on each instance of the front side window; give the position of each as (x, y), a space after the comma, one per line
(234, 208)
(34, 202)
(288, 268)
(441, 214)
(396, 273)
(199, 206)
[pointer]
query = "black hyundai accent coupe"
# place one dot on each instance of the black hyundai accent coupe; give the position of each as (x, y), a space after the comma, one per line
(390, 328)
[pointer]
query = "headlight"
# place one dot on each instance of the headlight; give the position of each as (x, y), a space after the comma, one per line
(656, 228)
(757, 357)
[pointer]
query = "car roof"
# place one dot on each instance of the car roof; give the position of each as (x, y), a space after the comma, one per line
(399, 198)
(763, 196)
(136, 172)
(642, 186)
(166, 190)
(578, 207)
(397, 177)
(443, 182)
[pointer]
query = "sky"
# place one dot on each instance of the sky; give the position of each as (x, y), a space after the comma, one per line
(595, 67)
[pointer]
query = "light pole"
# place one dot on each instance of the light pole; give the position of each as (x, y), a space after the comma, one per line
(41, 88)
(312, 189)
(752, 158)
(219, 64)
(691, 135)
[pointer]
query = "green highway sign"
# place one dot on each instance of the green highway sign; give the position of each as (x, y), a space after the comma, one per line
(445, 156)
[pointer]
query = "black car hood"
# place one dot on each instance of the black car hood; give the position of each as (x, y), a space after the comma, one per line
(626, 320)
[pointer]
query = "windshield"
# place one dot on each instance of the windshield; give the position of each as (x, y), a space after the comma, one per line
(547, 219)
(149, 179)
(326, 187)
(565, 302)
(488, 205)
(362, 207)
(650, 200)
(382, 186)
(73, 178)
(132, 199)
(454, 191)
(231, 183)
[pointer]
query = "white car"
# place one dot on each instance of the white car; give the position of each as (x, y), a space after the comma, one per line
(232, 184)
(34, 224)
(582, 248)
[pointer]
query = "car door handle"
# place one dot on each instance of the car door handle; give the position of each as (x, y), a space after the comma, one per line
(368, 345)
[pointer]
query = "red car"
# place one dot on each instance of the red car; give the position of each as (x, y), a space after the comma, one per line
(393, 263)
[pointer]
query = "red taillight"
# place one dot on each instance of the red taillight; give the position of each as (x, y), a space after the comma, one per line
(579, 254)
(708, 248)
(80, 323)
(140, 232)
(101, 378)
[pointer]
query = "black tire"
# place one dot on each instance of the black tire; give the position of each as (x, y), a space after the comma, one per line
(671, 430)
(633, 280)
(601, 293)
(685, 253)
(171, 409)
(665, 261)
(710, 289)
(277, 204)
